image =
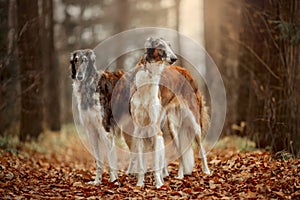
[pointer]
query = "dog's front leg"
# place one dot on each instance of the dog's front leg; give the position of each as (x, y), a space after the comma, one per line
(159, 159)
(99, 171)
(165, 171)
(140, 164)
(132, 162)
(94, 139)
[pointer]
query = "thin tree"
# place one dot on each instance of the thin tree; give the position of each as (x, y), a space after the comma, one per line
(9, 101)
(30, 69)
(51, 72)
(4, 78)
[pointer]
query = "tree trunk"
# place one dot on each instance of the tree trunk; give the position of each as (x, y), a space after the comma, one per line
(221, 33)
(4, 79)
(50, 66)
(9, 106)
(122, 21)
(30, 69)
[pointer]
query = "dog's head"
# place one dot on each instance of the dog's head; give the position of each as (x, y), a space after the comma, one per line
(82, 64)
(157, 50)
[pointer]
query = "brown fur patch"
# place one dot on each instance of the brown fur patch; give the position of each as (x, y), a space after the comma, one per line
(172, 76)
(105, 88)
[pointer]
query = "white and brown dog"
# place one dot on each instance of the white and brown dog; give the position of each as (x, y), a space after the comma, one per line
(85, 81)
(146, 109)
(186, 116)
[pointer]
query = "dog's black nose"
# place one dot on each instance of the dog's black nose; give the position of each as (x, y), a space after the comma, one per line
(79, 76)
(173, 59)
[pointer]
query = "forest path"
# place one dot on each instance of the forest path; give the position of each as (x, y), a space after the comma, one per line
(59, 167)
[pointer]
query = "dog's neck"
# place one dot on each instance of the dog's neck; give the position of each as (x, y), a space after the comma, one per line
(149, 72)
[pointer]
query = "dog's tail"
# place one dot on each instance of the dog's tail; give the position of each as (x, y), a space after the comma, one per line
(204, 116)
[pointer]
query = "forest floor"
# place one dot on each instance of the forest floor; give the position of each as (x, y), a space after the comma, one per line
(59, 167)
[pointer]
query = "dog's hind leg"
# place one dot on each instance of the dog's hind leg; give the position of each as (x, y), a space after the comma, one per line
(136, 165)
(202, 152)
(112, 157)
(186, 137)
(174, 134)
(205, 168)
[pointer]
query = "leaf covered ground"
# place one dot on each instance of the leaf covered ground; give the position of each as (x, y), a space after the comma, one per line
(59, 167)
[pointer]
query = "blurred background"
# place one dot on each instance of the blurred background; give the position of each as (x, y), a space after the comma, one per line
(254, 43)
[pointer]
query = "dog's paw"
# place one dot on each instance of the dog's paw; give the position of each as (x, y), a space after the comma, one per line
(180, 176)
(113, 177)
(180, 173)
(158, 185)
(95, 182)
(140, 184)
(206, 171)
(165, 172)
(116, 183)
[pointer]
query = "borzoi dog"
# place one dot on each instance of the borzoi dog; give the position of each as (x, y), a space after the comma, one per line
(85, 81)
(186, 116)
(145, 107)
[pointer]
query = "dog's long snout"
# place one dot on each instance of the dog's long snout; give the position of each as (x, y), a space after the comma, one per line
(79, 76)
(173, 59)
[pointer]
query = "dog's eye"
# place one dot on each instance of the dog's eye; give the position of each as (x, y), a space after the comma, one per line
(161, 46)
(84, 59)
(76, 60)
(161, 53)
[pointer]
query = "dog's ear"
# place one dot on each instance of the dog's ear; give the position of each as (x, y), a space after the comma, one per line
(168, 42)
(91, 55)
(158, 43)
(73, 67)
(91, 68)
(91, 58)
(149, 43)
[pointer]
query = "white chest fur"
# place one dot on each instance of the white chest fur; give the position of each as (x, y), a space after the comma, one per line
(150, 74)
(145, 102)
(94, 113)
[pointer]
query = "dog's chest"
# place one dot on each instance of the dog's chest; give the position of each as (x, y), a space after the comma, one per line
(145, 96)
(82, 98)
(150, 74)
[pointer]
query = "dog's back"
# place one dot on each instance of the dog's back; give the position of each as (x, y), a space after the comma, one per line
(175, 81)
(106, 85)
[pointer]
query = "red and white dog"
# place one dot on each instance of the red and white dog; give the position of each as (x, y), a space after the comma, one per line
(185, 113)
(146, 109)
(186, 116)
